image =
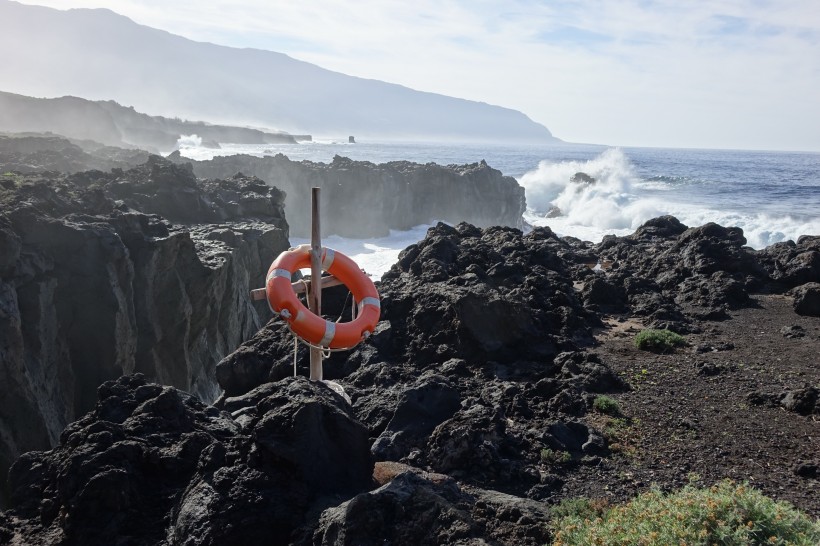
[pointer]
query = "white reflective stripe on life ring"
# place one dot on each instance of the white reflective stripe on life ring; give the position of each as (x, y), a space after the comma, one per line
(280, 273)
(370, 301)
(330, 331)
(327, 260)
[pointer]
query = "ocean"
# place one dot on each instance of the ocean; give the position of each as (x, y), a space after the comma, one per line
(772, 196)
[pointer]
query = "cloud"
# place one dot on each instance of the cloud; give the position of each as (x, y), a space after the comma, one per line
(638, 72)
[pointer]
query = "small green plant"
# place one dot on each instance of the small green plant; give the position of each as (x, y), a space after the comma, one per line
(621, 435)
(640, 375)
(693, 478)
(658, 341)
(580, 507)
(606, 405)
(615, 427)
(555, 456)
(726, 513)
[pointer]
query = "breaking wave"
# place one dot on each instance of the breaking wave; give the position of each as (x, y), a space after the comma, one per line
(609, 202)
(618, 201)
(189, 141)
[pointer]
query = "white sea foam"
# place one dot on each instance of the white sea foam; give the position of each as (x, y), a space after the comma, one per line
(760, 230)
(375, 255)
(618, 202)
(608, 205)
(187, 142)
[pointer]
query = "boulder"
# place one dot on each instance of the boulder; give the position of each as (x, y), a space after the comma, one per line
(802, 401)
(418, 411)
(411, 509)
(599, 291)
(789, 264)
(807, 299)
(662, 227)
(153, 465)
(581, 178)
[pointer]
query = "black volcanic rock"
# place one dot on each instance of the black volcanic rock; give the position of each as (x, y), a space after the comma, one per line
(802, 401)
(363, 199)
(478, 382)
(807, 299)
(487, 296)
(412, 509)
(670, 273)
(483, 295)
(161, 187)
(37, 153)
(469, 360)
(791, 264)
(153, 465)
(582, 178)
(91, 288)
(477, 392)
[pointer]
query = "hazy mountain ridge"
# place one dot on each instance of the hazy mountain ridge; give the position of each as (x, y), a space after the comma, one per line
(112, 124)
(98, 54)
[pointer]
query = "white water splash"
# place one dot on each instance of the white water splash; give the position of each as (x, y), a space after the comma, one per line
(189, 141)
(618, 202)
(607, 205)
(375, 255)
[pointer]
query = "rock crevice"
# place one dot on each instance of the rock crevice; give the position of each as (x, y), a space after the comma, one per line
(95, 284)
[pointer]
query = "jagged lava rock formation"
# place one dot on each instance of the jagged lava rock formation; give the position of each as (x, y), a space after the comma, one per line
(363, 199)
(475, 414)
(28, 153)
(153, 465)
(95, 284)
(675, 275)
(448, 384)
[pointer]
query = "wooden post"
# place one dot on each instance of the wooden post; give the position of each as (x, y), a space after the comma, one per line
(315, 296)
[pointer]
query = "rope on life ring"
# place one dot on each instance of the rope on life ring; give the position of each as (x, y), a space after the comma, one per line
(313, 329)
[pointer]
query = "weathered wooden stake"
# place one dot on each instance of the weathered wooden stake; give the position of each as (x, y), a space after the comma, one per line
(315, 294)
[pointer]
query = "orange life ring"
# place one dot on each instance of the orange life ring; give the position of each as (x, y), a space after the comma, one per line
(308, 326)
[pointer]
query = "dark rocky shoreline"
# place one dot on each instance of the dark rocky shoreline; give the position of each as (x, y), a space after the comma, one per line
(471, 408)
(368, 200)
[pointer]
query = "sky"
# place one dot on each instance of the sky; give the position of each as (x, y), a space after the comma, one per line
(733, 74)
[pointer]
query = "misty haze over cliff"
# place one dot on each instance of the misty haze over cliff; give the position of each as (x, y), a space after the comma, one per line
(99, 55)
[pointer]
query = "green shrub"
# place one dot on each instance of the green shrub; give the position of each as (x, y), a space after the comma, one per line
(580, 507)
(555, 456)
(659, 341)
(606, 405)
(727, 514)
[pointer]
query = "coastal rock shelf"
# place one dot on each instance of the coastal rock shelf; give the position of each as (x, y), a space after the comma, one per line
(94, 284)
(363, 199)
(29, 153)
